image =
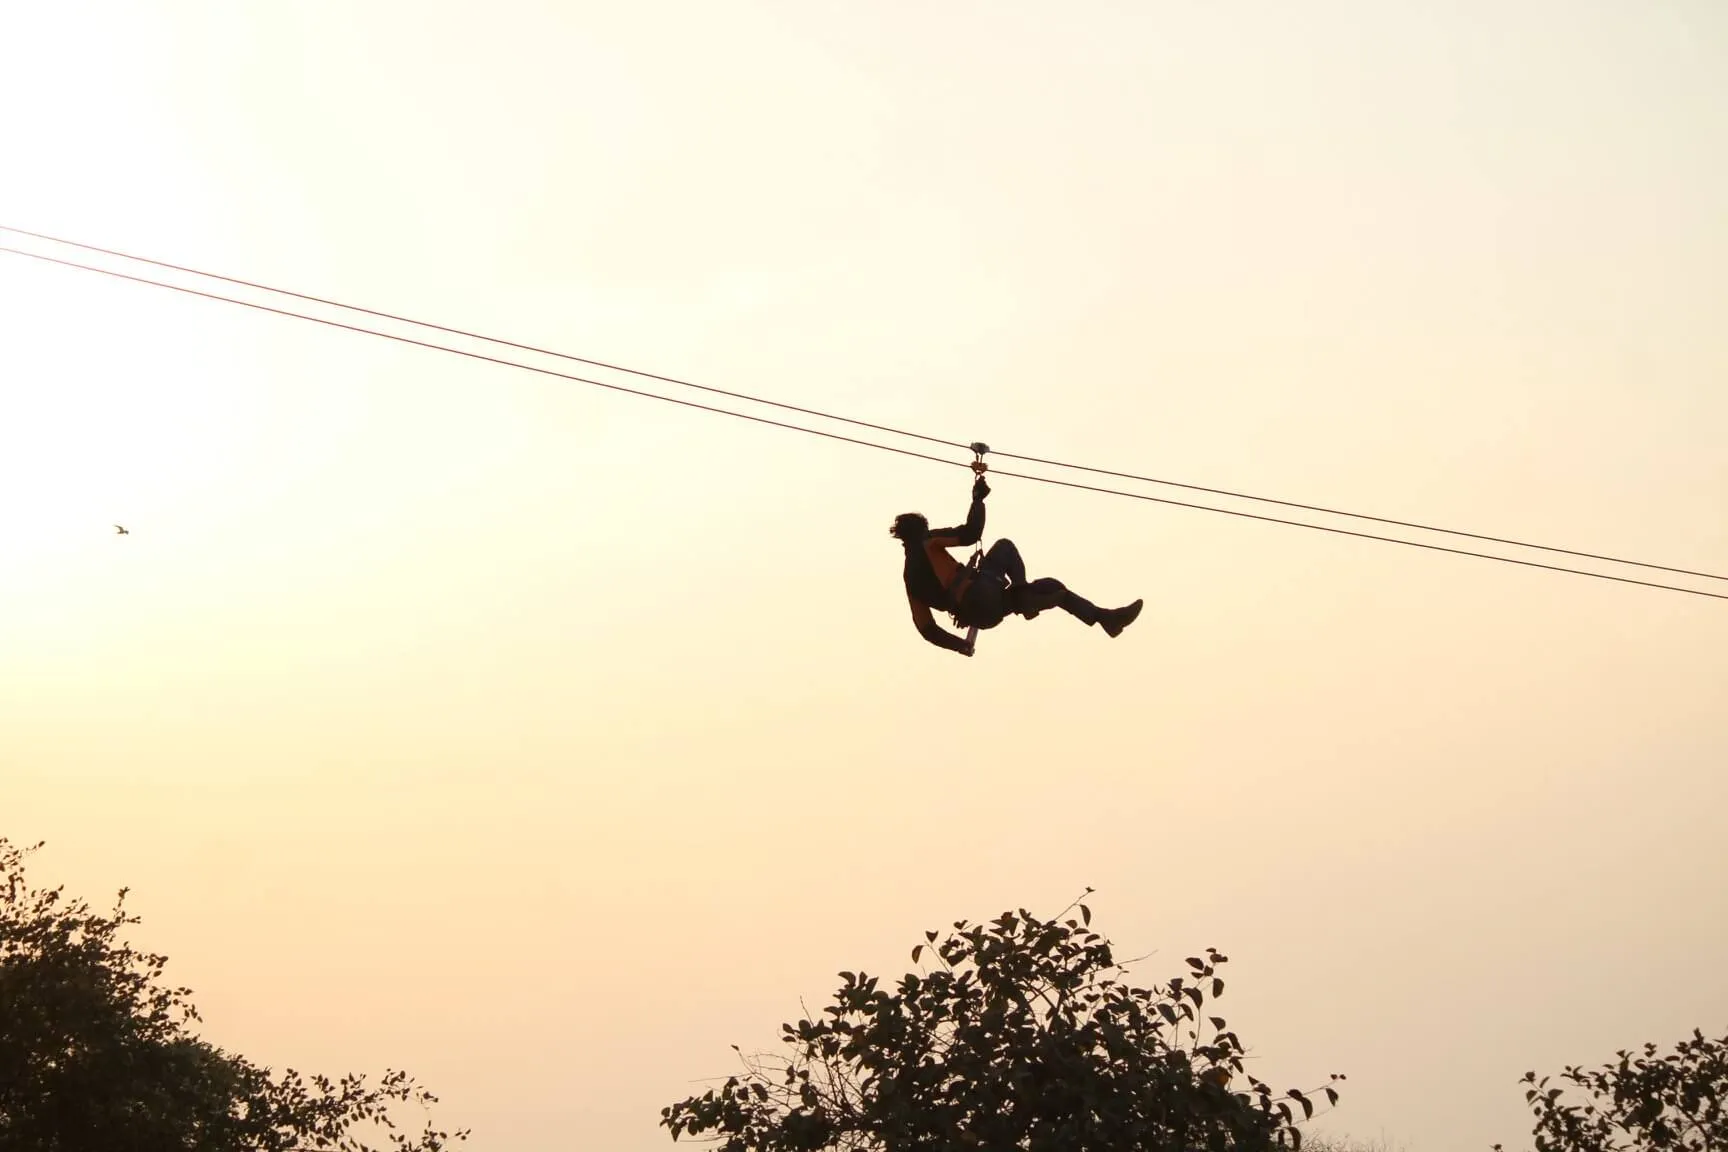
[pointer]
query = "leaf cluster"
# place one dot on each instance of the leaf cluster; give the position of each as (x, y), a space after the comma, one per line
(97, 1053)
(1020, 1036)
(1643, 1102)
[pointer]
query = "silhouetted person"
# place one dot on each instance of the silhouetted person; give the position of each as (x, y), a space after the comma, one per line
(982, 598)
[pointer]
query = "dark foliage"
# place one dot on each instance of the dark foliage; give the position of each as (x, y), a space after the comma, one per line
(1640, 1103)
(1021, 1038)
(96, 1054)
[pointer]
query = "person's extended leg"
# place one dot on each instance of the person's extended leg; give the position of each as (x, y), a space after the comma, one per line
(1034, 596)
(1030, 597)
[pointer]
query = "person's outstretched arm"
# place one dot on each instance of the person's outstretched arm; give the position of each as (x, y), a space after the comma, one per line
(934, 632)
(973, 530)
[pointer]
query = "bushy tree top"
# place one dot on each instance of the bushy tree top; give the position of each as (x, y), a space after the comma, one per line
(1021, 1037)
(97, 1053)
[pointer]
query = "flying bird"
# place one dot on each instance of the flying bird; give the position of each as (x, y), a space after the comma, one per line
(121, 530)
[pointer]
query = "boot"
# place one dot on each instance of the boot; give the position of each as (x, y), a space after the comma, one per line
(1114, 620)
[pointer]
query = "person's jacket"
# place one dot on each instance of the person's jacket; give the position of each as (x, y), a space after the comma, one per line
(935, 581)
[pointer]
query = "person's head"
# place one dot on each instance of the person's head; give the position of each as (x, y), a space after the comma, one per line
(909, 527)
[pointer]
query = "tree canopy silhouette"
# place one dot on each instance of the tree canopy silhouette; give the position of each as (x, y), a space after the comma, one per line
(1676, 1102)
(1020, 1038)
(96, 1054)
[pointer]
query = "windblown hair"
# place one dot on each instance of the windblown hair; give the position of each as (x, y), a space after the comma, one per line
(910, 527)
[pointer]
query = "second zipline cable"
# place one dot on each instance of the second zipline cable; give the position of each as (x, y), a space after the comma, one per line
(849, 420)
(835, 436)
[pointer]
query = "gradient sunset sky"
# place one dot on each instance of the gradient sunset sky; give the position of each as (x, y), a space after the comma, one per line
(546, 741)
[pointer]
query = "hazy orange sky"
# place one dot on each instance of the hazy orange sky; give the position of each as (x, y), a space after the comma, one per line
(546, 741)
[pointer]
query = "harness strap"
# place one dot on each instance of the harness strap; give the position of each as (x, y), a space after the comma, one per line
(963, 582)
(965, 578)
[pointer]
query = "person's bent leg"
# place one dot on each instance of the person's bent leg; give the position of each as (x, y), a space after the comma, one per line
(1003, 557)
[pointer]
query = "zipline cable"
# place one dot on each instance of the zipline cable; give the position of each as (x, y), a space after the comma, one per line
(864, 423)
(465, 352)
(1360, 516)
(835, 436)
(488, 339)
(1359, 535)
